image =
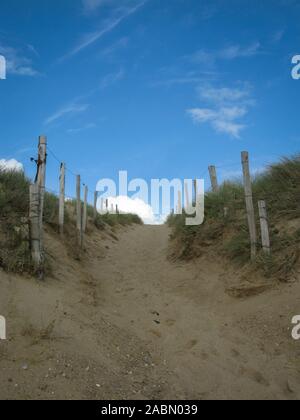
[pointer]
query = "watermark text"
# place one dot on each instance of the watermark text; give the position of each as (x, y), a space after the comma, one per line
(2, 68)
(2, 328)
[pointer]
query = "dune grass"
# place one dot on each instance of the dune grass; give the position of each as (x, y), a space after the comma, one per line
(14, 228)
(279, 186)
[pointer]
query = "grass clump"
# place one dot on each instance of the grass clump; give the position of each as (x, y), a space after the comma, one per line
(14, 207)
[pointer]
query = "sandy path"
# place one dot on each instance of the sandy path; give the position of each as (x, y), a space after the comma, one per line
(127, 323)
(200, 333)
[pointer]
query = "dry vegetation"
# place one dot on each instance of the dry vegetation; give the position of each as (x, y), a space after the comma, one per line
(228, 236)
(14, 232)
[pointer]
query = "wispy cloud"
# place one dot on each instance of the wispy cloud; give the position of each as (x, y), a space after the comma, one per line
(91, 5)
(67, 110)
(120, 44)
(229, 106)
(110, 25)
(277, 36)
(230, 52)
(111, 79)
(16, 62)
(80, 129)
(225, 95)
(184, 79)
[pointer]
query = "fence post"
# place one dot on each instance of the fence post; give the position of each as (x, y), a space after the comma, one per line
(249, 203)
(78, 210)
(34, 226)
(95, 204)
(213, 178)
(84, 218)
(62, 185)
(265, 236)
(41, 180)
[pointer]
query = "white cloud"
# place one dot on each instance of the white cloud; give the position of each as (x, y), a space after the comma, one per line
(223, 120)
(16, 62)
(227, 107)
(11, 165)
(134, 206)
(69, 109)
(229, 127)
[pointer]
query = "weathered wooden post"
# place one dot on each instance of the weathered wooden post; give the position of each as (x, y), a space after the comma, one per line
(95, 205)
(195, 190)
(265, 236)
(84, 218)
(213, 178)
(41, 180)
(34, 226)
(62, 185)
(78, 210)
(249, 203)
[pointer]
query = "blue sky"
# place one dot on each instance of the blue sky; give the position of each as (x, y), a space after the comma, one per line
(161, 88)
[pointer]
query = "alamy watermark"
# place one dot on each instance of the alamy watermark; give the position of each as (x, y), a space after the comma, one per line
(163, 196)
(2, 328)
(2, 68)
(296, 68)
(296, 329)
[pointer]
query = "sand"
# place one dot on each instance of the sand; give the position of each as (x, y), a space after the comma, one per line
(127, 323)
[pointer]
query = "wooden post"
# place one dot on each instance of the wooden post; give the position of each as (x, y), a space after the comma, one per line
(95, 204)
(195, 190)
(265, 236)
(249, 203)
(62, 185)
(84, 218)
(34, 226)
(78, 210)
(213, 178)
(41, 179)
